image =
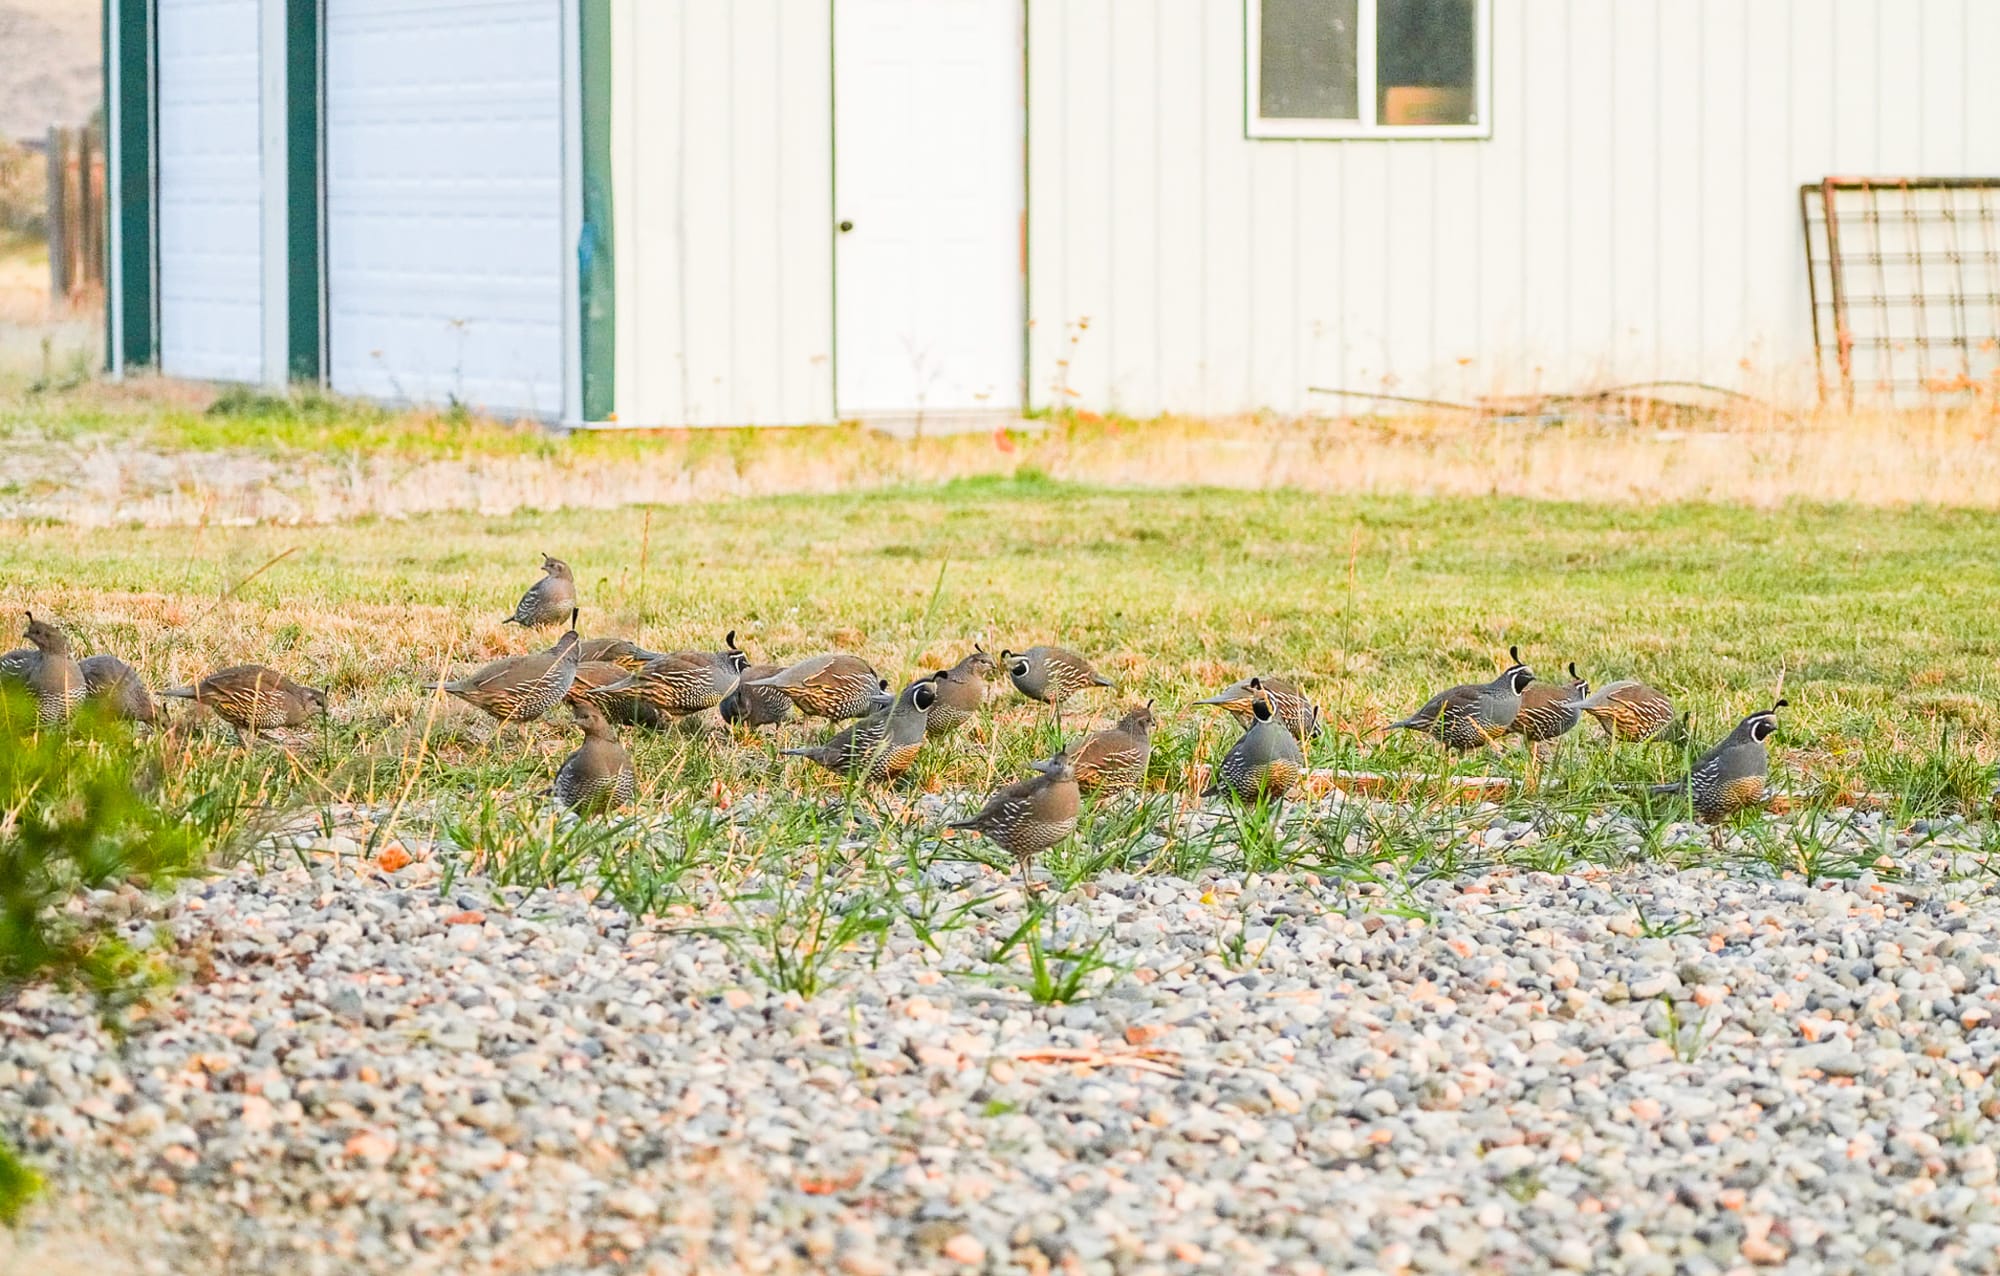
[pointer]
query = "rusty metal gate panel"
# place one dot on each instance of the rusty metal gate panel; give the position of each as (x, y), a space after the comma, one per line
(1904, 279)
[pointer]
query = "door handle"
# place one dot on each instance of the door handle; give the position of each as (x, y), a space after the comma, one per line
(846, 226)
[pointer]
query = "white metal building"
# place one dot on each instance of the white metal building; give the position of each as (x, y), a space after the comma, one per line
(683, 212)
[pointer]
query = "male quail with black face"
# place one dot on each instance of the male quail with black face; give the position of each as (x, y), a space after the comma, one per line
(521, 688)
(834, 686)
(1051, 675)
(1029, 816)
(1116, 758)
(883, 745)
(1730, 777)
(550, 600)
(1265, 761)
(253, 698)
(1475, 715)
(598, 776)
(1296, 713)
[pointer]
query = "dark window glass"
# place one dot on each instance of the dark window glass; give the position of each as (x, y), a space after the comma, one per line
(1426, 63)
(1307, 62)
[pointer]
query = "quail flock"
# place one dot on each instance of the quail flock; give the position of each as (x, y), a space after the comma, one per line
(606, 682)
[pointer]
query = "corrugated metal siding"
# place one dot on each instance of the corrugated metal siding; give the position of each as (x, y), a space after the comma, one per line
(722, 168)
(1634, 216)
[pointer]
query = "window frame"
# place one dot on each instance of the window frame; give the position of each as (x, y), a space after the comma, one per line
(1366, 65)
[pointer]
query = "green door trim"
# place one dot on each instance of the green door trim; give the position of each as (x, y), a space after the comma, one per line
(130, 56)
(596, 263)
(305, 150)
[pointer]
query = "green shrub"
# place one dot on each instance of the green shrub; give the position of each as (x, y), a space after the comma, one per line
(73, 821)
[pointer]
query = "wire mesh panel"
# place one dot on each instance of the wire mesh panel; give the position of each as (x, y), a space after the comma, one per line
(1905, 284)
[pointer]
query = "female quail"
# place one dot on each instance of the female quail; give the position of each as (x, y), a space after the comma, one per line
(1475, 715)
(598, 776)
(834, 686)
(623, 652)
(1029, 816)
(1051, 675)
(755, 705)
(1632, 711)
(1299, 715)
(49, 672)
(118, 686)
(550, 600)
(1265, 762)
(961, 691)
(680, 682)
(1116, 758)
(883, 745)
(521, 688)
(1730, 777)
(253, 698)
(1548, 711)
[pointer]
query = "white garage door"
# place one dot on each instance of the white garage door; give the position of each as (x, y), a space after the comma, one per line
(444, 201)
(211, 199)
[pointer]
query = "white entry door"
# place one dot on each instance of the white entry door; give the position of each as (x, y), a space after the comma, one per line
(928, 168)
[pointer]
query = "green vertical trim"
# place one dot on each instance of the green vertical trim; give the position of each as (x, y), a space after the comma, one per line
(136, 58)
(304, 152)
(596, 263)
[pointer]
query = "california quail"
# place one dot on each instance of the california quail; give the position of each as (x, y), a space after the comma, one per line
(1298, 715)
(550, 600)
(1473, 716)
(1029, 816)
(253, 698)
(680, 682)
(593, 675)
(1051, 675)
(48, 671)
(883, 745)
(1265, 762)
(623, 652)
(521, 688)
(833, 686)
(1730, 777)
(1116, 758)
(961, 691)
(598, 776)
(756, 705)
(118, 686)
(1630, 710)
(1548, 711)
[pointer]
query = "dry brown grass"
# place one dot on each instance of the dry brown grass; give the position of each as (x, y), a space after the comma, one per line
(148, 451)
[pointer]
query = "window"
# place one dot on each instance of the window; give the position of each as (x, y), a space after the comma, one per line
(1369, 68)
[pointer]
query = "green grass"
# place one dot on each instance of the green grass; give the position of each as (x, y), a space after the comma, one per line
(1883, 623)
